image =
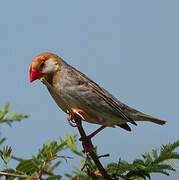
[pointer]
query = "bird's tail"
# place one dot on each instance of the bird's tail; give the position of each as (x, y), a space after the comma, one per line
(144, 117)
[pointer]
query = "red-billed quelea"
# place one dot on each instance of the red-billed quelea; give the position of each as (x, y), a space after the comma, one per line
(75, 92)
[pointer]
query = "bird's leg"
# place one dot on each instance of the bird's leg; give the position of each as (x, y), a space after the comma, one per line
(78, 112)
(87, 144)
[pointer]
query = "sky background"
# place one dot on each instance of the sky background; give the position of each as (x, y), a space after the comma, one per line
(131, 48)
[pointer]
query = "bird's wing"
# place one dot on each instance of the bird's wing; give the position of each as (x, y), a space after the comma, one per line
(117, 106)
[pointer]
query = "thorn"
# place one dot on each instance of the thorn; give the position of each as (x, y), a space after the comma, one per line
(105, 155)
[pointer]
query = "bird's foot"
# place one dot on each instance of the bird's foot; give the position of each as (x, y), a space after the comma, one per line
(71, 120)
(78, 112)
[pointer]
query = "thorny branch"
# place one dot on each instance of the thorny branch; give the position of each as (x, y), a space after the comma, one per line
(92, 154)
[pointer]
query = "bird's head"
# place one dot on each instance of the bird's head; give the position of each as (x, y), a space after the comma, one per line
(43, 65)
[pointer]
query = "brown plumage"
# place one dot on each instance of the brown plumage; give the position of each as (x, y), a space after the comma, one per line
(72, 89)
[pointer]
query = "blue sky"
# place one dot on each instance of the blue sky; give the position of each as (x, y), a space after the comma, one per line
(128, 47)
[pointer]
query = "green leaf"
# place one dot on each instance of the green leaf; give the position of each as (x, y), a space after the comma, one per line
(62, 139)
(55, 166)
(139, 163)
(28, 166)
(169, 147)
(60, 147)
(119, 168)
(2, 140)
(171, 161)
(4, 111)
(48, 151)
(154, 153)
(166, 156)
(159, 168)
(68, 175)
(56, 177)
(10, 117)
(148, 158)
(82, 162)
(138, 173)
(71, 143)
(6, 153)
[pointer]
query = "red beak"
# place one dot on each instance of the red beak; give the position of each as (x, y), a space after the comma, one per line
(34, 74)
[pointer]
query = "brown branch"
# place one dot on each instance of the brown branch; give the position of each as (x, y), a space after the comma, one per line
(42, 169)
(45, 162)
(17, 175)
(91, 153)
(92, 173)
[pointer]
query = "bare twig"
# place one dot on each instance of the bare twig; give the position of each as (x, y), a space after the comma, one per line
(57, 157)
(104, 155)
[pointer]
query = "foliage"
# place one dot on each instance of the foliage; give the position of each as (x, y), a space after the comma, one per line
(49, 158)
(152, 162)
(10, 117)
(46, 161)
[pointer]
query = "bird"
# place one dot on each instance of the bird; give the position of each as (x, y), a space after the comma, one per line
(77, 94)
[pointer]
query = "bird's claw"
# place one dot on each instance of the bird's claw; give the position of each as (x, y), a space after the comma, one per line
(71, 120)
(77, 112)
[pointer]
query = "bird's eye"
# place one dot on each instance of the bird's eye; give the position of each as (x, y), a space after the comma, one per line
(41, 66)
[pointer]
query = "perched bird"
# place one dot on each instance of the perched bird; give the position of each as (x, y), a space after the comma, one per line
(76, 94)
